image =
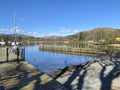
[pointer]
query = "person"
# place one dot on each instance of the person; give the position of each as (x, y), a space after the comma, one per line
(17, 52)
(14, 49)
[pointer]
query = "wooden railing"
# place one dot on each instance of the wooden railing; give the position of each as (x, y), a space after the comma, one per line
(8, 54)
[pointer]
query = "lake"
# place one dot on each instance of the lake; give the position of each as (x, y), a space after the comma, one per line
(49, 62)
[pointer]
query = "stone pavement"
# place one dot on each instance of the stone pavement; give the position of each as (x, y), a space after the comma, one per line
(97, 75)
(24, 76)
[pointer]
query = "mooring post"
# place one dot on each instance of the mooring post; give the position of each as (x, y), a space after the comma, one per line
(18, 54)
(23, 53)
(7, 54)
(22, 56)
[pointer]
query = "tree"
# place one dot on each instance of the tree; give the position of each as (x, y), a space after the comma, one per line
(81, 36)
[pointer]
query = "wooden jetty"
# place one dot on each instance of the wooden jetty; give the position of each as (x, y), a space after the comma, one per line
(70, 49)
(24, 76)
(96, 50)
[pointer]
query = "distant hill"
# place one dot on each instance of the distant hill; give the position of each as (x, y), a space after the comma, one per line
(96, 34)
(53, 37)
(20, 37)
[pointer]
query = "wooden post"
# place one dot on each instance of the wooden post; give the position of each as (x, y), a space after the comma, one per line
(24, 53)
(7, 54)
(18, 54)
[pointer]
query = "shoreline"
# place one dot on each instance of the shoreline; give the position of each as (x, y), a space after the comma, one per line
(72, 67)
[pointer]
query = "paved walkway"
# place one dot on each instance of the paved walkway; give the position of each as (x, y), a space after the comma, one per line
(99, 75)
(24, 76)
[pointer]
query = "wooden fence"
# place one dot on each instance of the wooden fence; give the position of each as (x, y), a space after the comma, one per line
(93, 49)
(2, 53)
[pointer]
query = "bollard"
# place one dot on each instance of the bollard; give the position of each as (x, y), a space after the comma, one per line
(18, 54)
(7, 54)
(23, 54)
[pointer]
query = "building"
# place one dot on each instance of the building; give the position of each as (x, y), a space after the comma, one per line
(117, 39)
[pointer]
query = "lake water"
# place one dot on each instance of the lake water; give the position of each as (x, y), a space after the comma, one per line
(49, 62)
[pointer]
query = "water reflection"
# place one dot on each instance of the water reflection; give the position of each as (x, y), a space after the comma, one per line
(49, 62)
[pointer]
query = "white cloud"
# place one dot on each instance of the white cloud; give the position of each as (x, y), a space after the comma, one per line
(65, 29)
(54, 34)
(76, 30)
(17, 30)
(3, 29)
(13, 29)
(58, 34)
(51, 34)
(32, 33)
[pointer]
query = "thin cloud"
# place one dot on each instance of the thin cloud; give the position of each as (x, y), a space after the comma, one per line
(17, 30)
(32, 33)
(12, 29)
(65, 29)
(3, 29)
(51, 34)
(76, 30)
(58, 34)
(54, 34)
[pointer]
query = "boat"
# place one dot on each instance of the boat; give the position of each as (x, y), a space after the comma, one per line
(2, 42)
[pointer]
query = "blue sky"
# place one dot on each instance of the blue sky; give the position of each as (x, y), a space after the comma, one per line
(58, 17)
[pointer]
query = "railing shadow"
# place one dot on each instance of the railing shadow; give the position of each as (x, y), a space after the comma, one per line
(27, 79)
(77, 71)
(13, 60)
(106, 79)
(24, 77)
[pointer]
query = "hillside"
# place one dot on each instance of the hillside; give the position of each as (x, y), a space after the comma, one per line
(97, 34)
(20, 38)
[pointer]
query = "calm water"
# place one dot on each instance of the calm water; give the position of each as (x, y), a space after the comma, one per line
(49, 62)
